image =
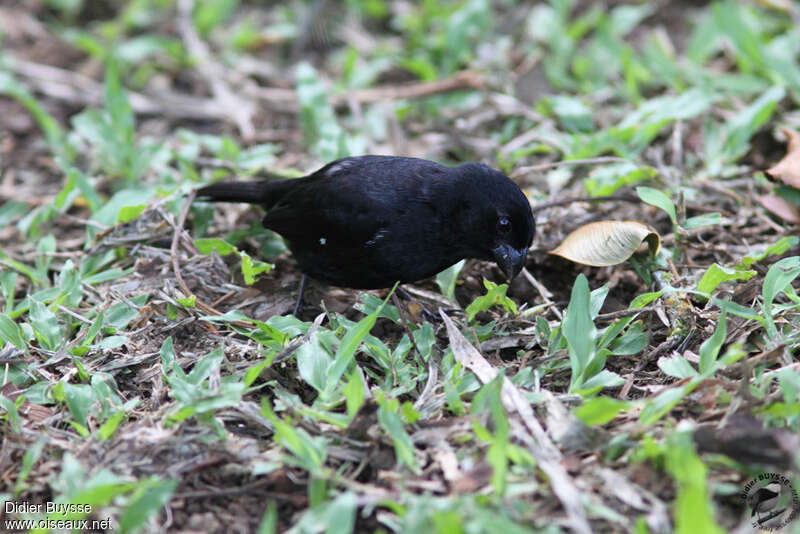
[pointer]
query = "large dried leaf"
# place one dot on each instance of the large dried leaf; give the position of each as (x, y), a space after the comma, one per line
(787, 170)
(605, 243)
(781, 207)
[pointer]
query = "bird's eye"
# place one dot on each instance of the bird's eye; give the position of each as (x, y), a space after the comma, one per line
(503, 225)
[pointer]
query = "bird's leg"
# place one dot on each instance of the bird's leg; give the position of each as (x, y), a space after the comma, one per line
(406, 324)
(299, 296)
(426, 313)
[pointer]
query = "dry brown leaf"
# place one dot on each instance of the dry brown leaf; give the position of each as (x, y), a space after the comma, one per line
(787, 170)
(781, 207)
(605, 243)
(547, 456)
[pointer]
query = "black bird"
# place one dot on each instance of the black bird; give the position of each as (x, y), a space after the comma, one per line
(370, 221)
(764, 499)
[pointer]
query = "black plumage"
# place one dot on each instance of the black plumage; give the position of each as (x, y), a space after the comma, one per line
(370, 221)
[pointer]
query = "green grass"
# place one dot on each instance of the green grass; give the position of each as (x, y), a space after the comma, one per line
(125, 392)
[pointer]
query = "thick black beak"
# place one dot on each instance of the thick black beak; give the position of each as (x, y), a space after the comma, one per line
(510, 260)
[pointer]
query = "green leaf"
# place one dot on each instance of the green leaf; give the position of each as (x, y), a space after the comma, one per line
(726, 143)
(709, 350)
(341, 514)
(716, 274)
(777, 280)
(598, 381)
(147, 500)
(10, 332)
(390, 421)
(78, 398)
(446, 280)
(110, 426)
(495, 295)
(12, 413)
(120, 314)
(54, 134)
(110, 212)
(778, 248)
(269, 521)
(308, 452)
(572, 113)
(579, 331)
(600, 410)
(45, 325)
(129, 213)
(112, 342)
(739, 310)
(8, 285)
(31, 456)
(660, 110)
(21, 267)
(606, 180)
(313, 363)
(354, 393)
(631, 342)
(747, 121)
(254, 372)
(251, 268)
(231, 316)
(780, 275)
(118, 105)
(656, 408)
(640, 301)
(321, 130)
(106, 276)
(256, 157)
(346, 351)
(12, 210)
(212, 13)
(676, 366)
(656, 198)
(167, 353)
(706, 219)
(207, 245)
(693, 507)
(187, 301)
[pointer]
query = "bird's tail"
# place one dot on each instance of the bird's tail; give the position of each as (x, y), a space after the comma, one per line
(250, 192)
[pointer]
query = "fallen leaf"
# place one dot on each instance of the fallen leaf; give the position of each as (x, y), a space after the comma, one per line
(745, 440)
(787, 170)
(605, 243)
(781, 207)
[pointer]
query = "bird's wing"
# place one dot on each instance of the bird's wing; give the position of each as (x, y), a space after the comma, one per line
(332, 221)
(322, 213)
(352, 201)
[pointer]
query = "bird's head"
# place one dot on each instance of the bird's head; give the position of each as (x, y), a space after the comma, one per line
(504, 215)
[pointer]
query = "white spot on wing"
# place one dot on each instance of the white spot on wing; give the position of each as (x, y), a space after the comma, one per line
(377, 237)
(339, 166)
(323, 240)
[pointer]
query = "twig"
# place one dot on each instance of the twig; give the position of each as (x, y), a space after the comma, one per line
(297, 500)
(543, 291)
(666, 346)
(76, 88)
(407, 325)
(239, 109)
(589, 161)
(526, 427)
(565, 201)
(624, 313)
(174, 254)
(460, 80)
